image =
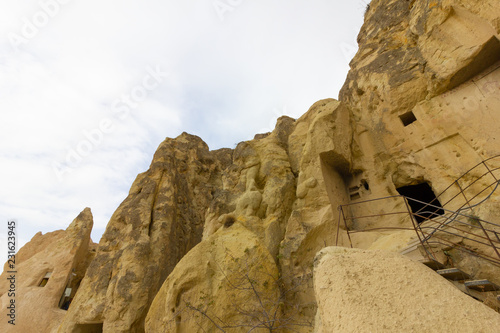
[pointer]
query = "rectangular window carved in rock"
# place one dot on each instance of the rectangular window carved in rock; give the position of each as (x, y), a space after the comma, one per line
(408, 118)
(66, 299)
(45, 279)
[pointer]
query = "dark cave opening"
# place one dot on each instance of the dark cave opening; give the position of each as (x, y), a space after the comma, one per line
(423, 202)
(408, 118)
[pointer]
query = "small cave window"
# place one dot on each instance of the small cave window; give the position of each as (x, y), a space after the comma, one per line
(88, 328)
(423, 202)
(355, 196)
(229, 221)
(353, 189)
(45, 279)
(408, 118)
(356, 192)
(66, 299)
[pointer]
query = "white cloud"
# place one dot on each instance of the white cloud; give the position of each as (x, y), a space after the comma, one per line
(227, 81)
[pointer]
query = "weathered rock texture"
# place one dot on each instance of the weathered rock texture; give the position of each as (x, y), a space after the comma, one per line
(156, 225)
(208, 284)
(437, 62)
(440, 60)
(65, 254)
(189, 192)
(379, 291)
(418, 106)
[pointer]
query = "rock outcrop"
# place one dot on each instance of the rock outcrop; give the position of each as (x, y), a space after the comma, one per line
(208, 284)
(422, 109)
(417, 109)
(187, 195)
(378, 291)
(422, 91)
(49, 270)
(410, 51)
(156, 225)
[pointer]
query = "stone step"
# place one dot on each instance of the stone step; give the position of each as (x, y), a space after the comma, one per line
(482, 285)
(410, 247)
(480, 296)
(453, 274)
(432, 264)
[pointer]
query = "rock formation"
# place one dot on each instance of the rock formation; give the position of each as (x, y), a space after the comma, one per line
(422, 91)
(49, 270)
(154, 227)
(210, 282)
(418, 110)
(379, 291)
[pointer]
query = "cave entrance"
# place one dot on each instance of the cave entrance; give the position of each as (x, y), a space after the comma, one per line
(88, 328)
(423, 202)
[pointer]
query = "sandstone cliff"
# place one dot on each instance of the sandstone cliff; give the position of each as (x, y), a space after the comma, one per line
(418, 108)
(49, 269)
(210, 283)
(378, 291)
(156, 225)
(423, 91)
(189, 192)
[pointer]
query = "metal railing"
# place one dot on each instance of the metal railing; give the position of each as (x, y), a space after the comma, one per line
(488, 176)
(434, 224)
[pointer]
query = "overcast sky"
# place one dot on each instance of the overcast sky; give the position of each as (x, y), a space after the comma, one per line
(89, 89)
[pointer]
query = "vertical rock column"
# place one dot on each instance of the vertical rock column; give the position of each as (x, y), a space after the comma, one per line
(320, 150)
(155, 226)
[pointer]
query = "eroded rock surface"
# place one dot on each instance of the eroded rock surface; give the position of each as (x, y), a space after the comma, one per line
(189, 192)
(46, 266)
(378, 291)
(422, 91)
(156, 225)
(419, 106)
(208, 285)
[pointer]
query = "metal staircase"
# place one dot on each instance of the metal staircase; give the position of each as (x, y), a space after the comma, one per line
(444, 224)
(479, 289)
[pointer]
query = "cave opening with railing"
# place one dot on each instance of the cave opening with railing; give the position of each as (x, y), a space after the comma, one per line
(423, 202)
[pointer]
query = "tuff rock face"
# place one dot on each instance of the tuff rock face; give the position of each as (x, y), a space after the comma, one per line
(388, 292)
(419, 106)
(65, 255)
(210, 282)
(186, 196)
(423, 91)
(156, 225)
(276, 190)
